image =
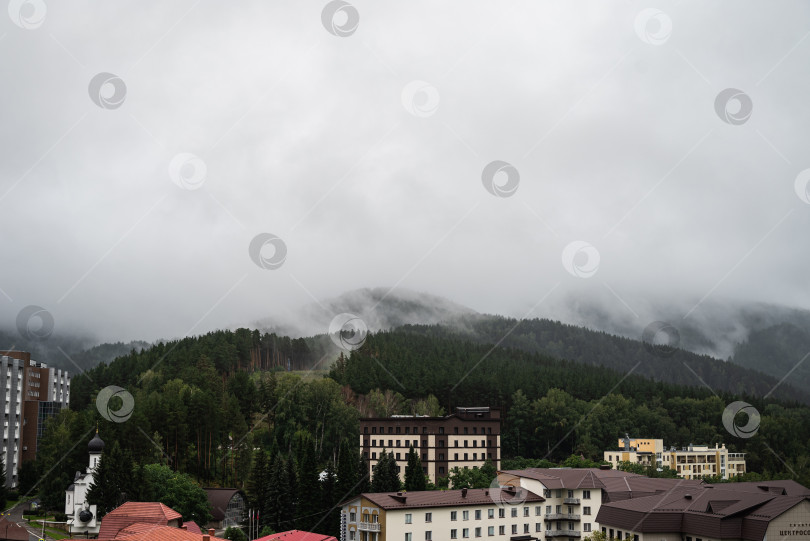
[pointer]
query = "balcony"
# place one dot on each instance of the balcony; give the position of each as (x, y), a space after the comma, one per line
(561, 516)
(571, 501)
(563, 533)
(369, 526)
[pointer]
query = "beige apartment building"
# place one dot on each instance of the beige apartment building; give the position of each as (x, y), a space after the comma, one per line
(465, 439)
(442, 515)
(691, 462)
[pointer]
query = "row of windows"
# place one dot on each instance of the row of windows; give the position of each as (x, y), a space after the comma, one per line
(440, 456)
(478, 532)
(478, 513)
(391, 430)
(558, 493)
(415, 443)
(627, 535)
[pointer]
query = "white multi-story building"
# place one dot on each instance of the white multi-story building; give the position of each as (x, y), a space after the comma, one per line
(32, 393)
(440, 515)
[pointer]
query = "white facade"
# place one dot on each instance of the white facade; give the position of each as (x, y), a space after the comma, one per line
(76, 506)
(568, 513)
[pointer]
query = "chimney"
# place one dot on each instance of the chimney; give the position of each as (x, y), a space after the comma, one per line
(463, 492)
(206, 538)
(184, 527)
(688, 496)
(211, 532)
(604, 466)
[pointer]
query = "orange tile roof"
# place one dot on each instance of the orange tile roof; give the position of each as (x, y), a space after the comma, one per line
(142, 531)
(132, 512)
(297, 535)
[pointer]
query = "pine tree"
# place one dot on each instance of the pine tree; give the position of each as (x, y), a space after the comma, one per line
(289, 495)
(348, 477)
(330, 523)
(414, 476)
(364, 475)
(112, 480)
(386, 477)
(308, 487)
(259, 486)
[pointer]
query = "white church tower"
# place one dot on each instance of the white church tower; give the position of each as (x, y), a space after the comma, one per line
(82, 516)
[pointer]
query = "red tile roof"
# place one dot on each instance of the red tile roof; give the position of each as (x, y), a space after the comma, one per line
(142, 531)
(297, 535)
(132, 512)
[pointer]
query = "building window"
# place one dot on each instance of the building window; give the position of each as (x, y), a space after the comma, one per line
(374, 456)
(428, 517)
(501, 530)
(453, 534)
(365, 430)
(465, 515)
(586, 494)
(453, 515)
(538, 526)
(441, 456)
(491, 531)
(465, 533)
(477, 514)
(408, 518)
(546, 493)
(352, 517)
(441, 468)
(635, 537)
(548, 509)
(501, 513)
(525, 511)
(441, 430)
(586, 510)
(514, 529)
(409, 536)
(525, 528)
(514, 511)
(398, 457)
(490, 513)
(455, 455)
(570, 525)
(570, 493)
(428, 535)
(587, 527)
(538, 510)
(478, 532)
(465, 456)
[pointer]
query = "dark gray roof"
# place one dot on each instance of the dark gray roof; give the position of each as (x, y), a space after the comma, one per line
(446, 498)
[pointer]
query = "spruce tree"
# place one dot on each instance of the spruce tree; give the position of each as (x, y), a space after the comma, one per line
(308, 487)
(414, 476)
(348, 477)
(330, 522)
(112, 480)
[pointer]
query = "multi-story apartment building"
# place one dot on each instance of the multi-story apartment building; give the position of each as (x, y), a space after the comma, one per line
(443, 515)
(465, 439)
(691, 462)
(32, 393)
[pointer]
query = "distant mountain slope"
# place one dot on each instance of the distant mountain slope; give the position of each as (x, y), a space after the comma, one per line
(781, 350)
(621, 354)
(380, 308)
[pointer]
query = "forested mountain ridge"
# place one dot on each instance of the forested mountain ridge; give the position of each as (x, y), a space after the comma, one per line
(594, 348)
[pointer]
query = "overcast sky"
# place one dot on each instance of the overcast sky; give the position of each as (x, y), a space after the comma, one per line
(357, 134)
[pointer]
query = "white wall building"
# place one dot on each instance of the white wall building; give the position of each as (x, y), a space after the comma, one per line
(82, 516)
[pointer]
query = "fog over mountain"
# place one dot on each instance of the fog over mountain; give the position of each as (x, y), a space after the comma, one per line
(171, 169)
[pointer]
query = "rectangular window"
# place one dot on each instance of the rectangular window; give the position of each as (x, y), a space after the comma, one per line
(501, 530)
(525, 511)
(514, 529)
(525, 528)
(586, 494)
(548, 509)
(546, 493)
(465, 456)
(570, 493)
(538, 510)
(570, 525)
(490, 513)
(398, 458)
(586, 510)
(478, 532)
(352, 517)
(441, 468)
(514, 511)
(491, 531)
(465, 515)
(409, 536)
(477, 514)
(453, 515)
(428, 535)
(453, 534)
(501, 512)
(538, 527)
(428, 517)
(374, 456)
(587, 527)
(455, 456)
(635, 538)
(465, 533)
(441, 430)
(408, 518)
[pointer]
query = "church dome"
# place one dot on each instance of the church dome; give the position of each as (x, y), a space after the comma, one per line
(85, 515)
(96, 445)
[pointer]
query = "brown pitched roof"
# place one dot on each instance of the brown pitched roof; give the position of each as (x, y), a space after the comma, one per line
(445, 498)
(570, 478)
(12, 531)
(722, 511)
(142, 531)
(297, 535)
